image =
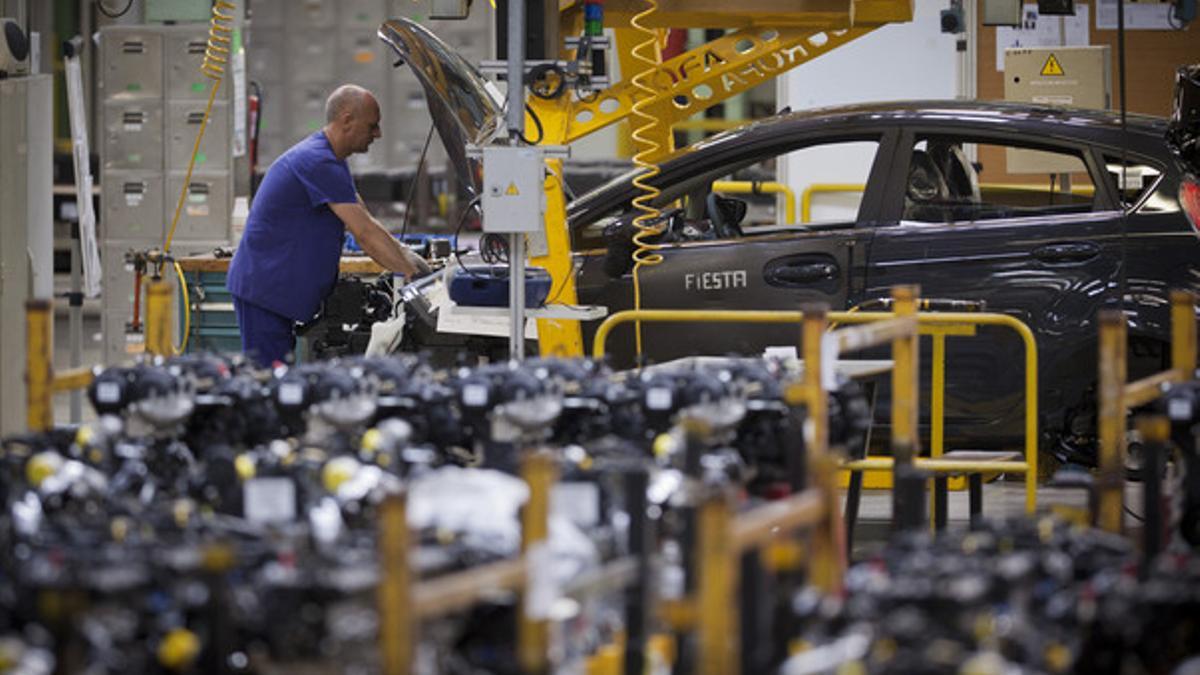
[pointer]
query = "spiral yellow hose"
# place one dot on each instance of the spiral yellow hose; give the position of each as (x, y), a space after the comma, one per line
(216, 56)
(645, 254)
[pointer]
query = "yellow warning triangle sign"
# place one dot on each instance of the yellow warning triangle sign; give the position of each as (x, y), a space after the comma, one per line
(1052, 67)
(512, 190)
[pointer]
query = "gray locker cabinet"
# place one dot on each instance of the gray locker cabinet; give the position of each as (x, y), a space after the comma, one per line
(133, 63)
(362, 59)
(266, 14)
(185, 47)
(132, 206)
(207, 208)
(318, 14)
(265, 54)
(375, 159)
(270, 147)
(365, 14)
(307, 108)
(183, 123)
(311, 55)
(116, 304)
(133, 135)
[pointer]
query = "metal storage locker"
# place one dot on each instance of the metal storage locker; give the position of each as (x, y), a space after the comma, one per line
(311, 55)
(183, 122)
(133, 62)
(133, 135)
(132, 206)
(206, 208)
(184, 47)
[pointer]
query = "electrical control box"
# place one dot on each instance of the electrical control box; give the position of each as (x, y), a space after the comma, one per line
(1079, 77)
(513, 200)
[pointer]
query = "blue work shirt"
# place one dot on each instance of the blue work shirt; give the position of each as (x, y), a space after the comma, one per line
(287, 261)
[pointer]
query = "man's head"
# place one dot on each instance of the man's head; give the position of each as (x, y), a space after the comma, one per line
(351, 120)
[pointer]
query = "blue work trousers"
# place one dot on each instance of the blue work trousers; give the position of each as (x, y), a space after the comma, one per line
(267, 337)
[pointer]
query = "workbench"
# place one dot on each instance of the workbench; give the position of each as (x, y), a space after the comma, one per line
(209, 263)
(213, 322)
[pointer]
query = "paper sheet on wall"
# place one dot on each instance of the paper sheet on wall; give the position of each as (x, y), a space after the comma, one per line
(1145, 15)
(1043, 31)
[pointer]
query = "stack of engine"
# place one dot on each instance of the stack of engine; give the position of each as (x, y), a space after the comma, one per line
(216, 517)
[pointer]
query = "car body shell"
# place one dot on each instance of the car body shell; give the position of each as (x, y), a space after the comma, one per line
(1055, 272)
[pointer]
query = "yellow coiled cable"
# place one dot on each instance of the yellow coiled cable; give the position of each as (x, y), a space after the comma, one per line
(216, 56)
(645, 254)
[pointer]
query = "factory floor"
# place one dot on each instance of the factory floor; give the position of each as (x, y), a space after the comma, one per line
(1002, 498)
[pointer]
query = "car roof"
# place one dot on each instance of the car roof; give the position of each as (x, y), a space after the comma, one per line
(1144, 134)
(978, 114)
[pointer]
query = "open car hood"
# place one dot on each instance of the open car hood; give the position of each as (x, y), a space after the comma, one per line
(460, 102)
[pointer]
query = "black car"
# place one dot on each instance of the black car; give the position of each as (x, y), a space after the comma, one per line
(942, 206)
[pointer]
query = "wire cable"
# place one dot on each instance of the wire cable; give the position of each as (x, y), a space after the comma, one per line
(187, 310)
(412, 189)
(646, 253)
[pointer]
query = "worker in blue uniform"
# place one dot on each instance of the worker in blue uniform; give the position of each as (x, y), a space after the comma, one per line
(287, 261)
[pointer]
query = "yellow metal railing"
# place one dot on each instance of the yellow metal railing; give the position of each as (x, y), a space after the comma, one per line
(1117, 397)
(756, 187)
(951, 322)
(42, 382)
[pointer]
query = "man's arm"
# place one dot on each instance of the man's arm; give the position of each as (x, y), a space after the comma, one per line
(377, 242)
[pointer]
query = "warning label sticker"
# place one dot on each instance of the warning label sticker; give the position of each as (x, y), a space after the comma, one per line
(512, 190)
(1052, 67)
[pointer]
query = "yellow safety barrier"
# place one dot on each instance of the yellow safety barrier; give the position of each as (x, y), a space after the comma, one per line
(756, 187)
(926, 320)
(403, 603)
(1117, 397)
(41, 382)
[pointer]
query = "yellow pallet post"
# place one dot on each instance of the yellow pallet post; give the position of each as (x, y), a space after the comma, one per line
(533, 632)
(39, 378)
(397, 627)
(1110, 483)
(1183, 333)
(717, 615)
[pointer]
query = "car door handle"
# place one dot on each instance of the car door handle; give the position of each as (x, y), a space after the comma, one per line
(803, 273)
(1076, 251)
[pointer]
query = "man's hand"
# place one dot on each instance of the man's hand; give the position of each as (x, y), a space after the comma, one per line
(377, 242)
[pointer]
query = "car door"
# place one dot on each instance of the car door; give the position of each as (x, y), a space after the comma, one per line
(769, 267)
(979, 230)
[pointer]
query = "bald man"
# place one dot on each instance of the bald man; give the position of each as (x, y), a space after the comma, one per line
(287, 261)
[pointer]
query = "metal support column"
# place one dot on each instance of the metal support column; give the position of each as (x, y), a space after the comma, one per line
(516, 128)
(908, 484)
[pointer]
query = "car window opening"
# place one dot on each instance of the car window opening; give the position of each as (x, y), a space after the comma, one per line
(945, 185)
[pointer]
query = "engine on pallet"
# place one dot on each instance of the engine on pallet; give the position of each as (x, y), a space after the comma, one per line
(1038, 596)
(220, 517)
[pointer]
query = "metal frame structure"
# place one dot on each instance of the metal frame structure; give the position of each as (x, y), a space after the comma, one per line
(1117, 396)
(770, 38)
(42, 382)
(945, 320)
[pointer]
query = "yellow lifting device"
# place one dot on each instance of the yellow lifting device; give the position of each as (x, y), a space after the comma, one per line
(768, 38)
